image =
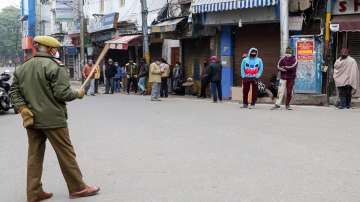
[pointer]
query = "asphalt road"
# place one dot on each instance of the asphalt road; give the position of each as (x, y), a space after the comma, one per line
(184, 150)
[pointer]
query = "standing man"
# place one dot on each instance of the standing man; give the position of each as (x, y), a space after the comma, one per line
(117, 77)
(39, 92)
(90, 87)
(132, 71)
(143, 74)
(346, 76)
(287, 67)
(252, 69)
(110, 71)
(204, 79)
(155, 80)
(177, 78)
(214, 74)
(165, 69)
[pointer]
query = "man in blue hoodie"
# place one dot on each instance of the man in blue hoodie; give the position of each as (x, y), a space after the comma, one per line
(252, 69)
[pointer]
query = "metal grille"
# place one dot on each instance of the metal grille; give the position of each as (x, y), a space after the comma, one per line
(354, 46)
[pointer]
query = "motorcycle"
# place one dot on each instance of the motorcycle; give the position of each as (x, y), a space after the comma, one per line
(5, 104)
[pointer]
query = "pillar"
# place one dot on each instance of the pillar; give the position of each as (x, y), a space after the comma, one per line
(226, 52)
(284, 25)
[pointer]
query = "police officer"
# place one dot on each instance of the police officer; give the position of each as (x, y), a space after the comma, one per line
(39, 92)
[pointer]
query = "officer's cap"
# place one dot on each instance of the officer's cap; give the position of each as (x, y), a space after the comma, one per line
(47, 41)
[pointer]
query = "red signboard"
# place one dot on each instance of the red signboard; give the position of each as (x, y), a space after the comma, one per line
(305, 50)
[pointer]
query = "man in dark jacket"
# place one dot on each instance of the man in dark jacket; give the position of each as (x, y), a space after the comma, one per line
(110, 71)
(39, 92)
(287, 66)
(132, 72)
(143, 74)
(214, 74)
(204, 79)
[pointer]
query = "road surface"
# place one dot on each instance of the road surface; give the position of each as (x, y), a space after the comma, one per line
(185, 150)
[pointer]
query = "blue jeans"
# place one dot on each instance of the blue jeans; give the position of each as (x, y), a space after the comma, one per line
(109, 85)
(117, 84)
(155, 92)
(216, 90)
(141, 83)
(91, 90)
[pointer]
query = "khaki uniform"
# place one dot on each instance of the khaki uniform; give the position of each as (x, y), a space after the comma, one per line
(42, 84)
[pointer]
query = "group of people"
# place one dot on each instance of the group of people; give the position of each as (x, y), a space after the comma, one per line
(116, 75)
(159, 74)
(251, 69)
(135, 76)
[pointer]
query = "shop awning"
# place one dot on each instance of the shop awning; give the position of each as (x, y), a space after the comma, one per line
(166, 26)
(205, 6)
(347, 23)
(122, 42)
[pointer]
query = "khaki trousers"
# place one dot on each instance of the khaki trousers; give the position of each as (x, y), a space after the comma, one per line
(60, 141)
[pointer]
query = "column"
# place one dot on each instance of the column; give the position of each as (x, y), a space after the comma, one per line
(226, 52)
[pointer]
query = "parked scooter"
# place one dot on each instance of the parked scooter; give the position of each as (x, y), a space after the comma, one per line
(5, 104)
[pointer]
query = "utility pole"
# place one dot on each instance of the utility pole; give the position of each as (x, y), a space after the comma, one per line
(82, 35)
(145, 31)
(284, 25)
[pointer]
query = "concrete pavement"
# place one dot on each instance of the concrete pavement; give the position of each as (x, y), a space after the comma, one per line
(183, 150)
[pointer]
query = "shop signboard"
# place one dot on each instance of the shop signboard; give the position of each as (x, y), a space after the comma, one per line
(343, 7)
(308, 55)
(105, 22)
(64, 10)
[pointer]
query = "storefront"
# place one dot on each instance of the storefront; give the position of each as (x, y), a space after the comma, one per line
(240, 26)
(123, 48)
(345, 25)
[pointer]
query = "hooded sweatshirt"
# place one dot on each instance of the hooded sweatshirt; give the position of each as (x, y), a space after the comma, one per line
(252, 67)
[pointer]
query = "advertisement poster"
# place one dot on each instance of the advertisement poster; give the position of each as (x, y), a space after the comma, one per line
(306, 59)
(305, 50)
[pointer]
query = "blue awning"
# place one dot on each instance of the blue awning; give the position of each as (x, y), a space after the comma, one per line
(206, 6)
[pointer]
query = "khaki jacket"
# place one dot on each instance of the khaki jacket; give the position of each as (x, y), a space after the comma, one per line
(42, 84)
(166, 70)
(154, 73)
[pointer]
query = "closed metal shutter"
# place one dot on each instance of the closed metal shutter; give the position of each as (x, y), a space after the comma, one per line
(354, 46)
(264, 37)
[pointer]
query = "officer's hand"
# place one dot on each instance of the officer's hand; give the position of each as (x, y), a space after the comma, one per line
(27, 116)
(135, 76)
(81, 93)
(128, 76)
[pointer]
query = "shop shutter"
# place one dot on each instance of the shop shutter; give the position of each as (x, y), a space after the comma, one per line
(354, 46)
(266, 40)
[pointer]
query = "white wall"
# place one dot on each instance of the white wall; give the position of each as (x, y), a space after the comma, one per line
(130, 12)
(166, 49)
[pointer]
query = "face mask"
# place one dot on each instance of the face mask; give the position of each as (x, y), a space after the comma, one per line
(252, 55)
(57, 54)
(344, 56)
(288, 55)
(42, 49)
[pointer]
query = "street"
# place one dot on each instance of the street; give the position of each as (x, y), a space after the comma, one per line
(187, 150)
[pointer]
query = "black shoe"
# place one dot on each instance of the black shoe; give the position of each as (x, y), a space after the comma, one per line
(245, 106)
(275, 107)
(288, 107)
